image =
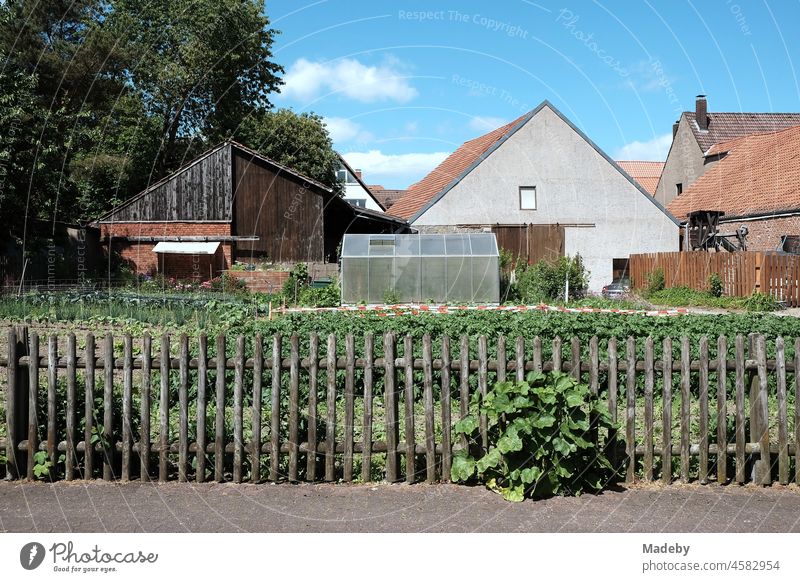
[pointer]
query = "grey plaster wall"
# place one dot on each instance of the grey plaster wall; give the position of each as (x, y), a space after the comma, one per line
(605, 215)
(684, 164)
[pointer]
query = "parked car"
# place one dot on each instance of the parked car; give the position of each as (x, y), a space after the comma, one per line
(617, 290)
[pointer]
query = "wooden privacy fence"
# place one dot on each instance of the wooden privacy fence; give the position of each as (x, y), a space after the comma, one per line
(741, 272)
(278, 414)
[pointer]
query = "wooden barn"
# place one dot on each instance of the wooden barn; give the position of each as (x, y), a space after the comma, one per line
(233, 204)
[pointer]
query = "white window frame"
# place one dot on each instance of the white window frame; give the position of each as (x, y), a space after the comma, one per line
(535, 197)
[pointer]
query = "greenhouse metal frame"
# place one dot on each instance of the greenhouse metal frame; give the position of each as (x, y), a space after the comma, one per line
(420, 268)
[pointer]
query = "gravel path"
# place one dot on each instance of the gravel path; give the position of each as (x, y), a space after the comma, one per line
(174, 507)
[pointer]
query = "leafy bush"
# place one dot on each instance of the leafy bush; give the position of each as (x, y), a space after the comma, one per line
(297, 281)
(328, 296)
(656, 281)
(509, 265)
(391, 297)
(715, 285)
(757, 301)
(544, 281)
(539, 443)
(227, 284)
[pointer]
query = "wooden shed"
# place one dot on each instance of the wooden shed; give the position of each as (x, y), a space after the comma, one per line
(254, 207)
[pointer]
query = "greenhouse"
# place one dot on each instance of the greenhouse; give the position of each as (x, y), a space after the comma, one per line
(420, 268)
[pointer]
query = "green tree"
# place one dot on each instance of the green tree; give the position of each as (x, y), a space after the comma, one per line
(201, 66)
(297, 140)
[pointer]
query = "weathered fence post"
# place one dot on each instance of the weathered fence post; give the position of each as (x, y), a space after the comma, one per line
(763, 469)
(17, 395)
(390, 403)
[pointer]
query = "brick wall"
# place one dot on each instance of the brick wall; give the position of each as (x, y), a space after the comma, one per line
(765, 235)
(141, 257)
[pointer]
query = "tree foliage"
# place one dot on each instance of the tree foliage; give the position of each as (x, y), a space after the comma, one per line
(297, 140)
(99, 98)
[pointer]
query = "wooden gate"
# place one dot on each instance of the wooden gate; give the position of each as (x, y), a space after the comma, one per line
(534, 242)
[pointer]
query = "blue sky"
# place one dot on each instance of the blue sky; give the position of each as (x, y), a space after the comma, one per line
(402, 84)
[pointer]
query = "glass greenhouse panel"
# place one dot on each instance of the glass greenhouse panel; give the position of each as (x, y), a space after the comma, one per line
(355, 245)
(483, 245)
(381, 278)
(459, 279)
(439, 268)
(355, 280)
(434, 279)
(431, 245)
(486, 284)
(407, 279)
(457, 245)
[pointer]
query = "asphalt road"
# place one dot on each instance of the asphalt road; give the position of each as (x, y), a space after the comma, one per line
(175, 507)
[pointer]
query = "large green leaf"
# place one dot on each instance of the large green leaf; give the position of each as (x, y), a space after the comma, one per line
(462, 468)
(544, 421)
(510, 442)
(489, 460)
(466, 425)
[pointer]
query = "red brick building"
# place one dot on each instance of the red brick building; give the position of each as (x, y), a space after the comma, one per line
(233, 204)
(755, 181)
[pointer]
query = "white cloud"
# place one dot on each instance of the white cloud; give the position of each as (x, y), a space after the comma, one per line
(305, 80)
(342, 130)
(394, 170)
(655, 150)
(485, 124)
(411, 127)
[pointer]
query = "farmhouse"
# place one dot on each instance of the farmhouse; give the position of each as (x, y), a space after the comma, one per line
(546, 190)
(233, 204)
(755, 182)
(696, 131)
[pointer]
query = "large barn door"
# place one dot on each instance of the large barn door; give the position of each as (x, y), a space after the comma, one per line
(532, 242)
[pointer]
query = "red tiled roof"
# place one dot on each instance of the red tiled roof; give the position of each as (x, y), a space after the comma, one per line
(386, 197)
(421, 193)
(760, 174)
(646, 173)
(728, 126)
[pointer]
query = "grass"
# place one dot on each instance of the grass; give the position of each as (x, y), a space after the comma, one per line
(686, 297)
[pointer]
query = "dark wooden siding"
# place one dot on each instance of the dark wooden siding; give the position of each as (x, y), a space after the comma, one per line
(201, 191)
(285, 212)
(532, 242)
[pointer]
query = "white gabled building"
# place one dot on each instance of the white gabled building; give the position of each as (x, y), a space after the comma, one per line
(546, 189)
(356, 192)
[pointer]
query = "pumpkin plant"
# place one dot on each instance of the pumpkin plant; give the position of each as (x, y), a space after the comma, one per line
(540, 439)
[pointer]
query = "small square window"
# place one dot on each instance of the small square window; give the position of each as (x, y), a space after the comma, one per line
(527, 197)
(678, 189)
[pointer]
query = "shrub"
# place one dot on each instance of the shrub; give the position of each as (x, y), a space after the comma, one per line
(545, 280)
(227, 283)
(715, 285)
(328, 296)
(296, 282)
(391, 297)
(538, 443)
(656, 281)
(757, 301)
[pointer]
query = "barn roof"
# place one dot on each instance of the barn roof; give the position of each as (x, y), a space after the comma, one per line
(109, 216)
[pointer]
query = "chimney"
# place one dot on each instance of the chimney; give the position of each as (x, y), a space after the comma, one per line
(358, 174)
(675, 129)
(701, 112)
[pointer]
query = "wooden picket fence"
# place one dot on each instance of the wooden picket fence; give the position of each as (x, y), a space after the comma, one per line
(742, 272)
(629, 378)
